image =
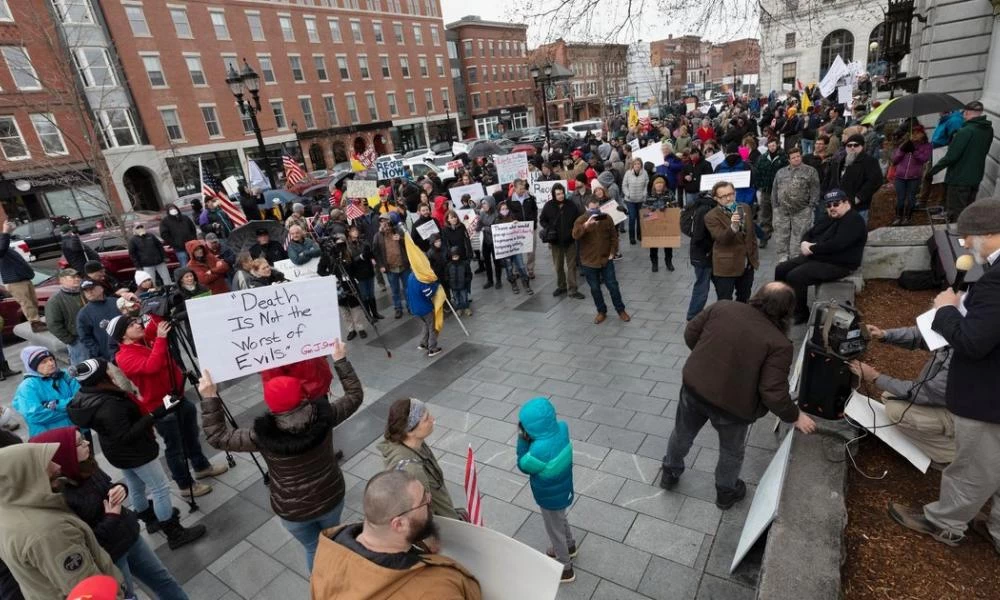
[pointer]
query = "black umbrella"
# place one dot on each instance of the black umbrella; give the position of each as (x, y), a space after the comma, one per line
(485, 149)
(915, 105)
(245, 236)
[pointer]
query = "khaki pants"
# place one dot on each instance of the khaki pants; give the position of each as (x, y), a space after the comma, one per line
(529, 262)
(24, 293)
(930, 428)
(788, 231)
(564, 260)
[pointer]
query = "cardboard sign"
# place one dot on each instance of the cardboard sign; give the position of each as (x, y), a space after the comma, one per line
(459, 148)
(475, 190)
(468, 217)
(390, 169)
(610, 208)
(512, 238)
(542, 190)
(296, 272)
(248, 331)
(511, 167)
(231, 185)
(492, 189)
(660, 228)
(739, 179)
(428, 229)
(634, 144)
(844, 94)
(361, 188)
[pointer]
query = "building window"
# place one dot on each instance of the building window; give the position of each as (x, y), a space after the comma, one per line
(278, 108)
(411, 102)
(356, 31)
(307, 112)
(311, 31)
(136, 20)
(788, 74)
(352, 109)
(173, 124)
(486, 74)
(211, 121)
(71, 11)
(482, 48)
(874, 53)
(5, 14)
(493, 52)
(331, 110)
(429, 100)
(439, 61)
(397, 32)
(445, 99)
(295, 62)
(363, 65)
(379, 36)
(467, 48)
(335, 29)
(790, 40)
(839, 42)
(320, 63)
(48, 134)
(418, 34)
(95, 67)
(266, 69)
(118, 128)
(475, 101)
(393, 109)
(345, 72)
(404, 66)
(435, 36)
(229, 61)
(219, 25)
(256, 27)
(393, 6)
(154, 70)
(287, 32)
(246, 121)
(384, 63)
(473, 74)
(487, 126)
(422, 63)
(19, 63)
(372, 106)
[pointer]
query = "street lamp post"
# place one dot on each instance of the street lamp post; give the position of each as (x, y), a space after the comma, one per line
(247, 80)
(542, 83)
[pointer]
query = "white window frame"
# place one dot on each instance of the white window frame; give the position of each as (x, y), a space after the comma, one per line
(225, 24)
(230, 59)
(429, 105)
(166, 127)
(371, 102)
(63, 11)
(5, 15)
(397, 32)
(378, 32)
(404, 66)
(423, 66)
(343, 66)
(330, 102)
(252, 17)
(218, 122)
(287, 33)
(353, 116)
(312, 32)
(108, 130)
(310, 115)
(411, 102)
(357, 36)
(83, 66)
(144, 56)
(439, 65)
(322, 62)
(477, 102)
(385, 66)
(20, 136)
(292, 68)
(435, 36)
(363, 66)
(446, 99)
(418, 34)
(182, 10)
(393, 105)
(333, 24)
(131, 23)
(27, 59)
(201, 69)
(274, 76)
(284, 116)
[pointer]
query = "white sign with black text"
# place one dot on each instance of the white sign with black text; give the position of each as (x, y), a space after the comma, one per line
(390, 169)
(512, 238)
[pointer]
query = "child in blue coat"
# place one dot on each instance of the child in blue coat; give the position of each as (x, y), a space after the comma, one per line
(420, 299)
(545, 453)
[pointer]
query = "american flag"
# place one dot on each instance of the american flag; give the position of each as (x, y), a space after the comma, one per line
(353, 211)
(472, 498)
(293, 172)
(212, 187)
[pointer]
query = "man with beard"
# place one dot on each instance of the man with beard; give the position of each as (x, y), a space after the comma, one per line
(857, 173)
(737, 371)
(383, 556)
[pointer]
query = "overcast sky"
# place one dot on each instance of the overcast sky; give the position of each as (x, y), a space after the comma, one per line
(652, 25)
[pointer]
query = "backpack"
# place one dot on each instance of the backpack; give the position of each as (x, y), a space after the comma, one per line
(689, 212)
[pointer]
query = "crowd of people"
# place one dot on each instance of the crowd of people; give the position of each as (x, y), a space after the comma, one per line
(812, 179)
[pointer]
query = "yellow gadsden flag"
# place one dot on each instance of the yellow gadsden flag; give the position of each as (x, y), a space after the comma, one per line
(422, 270)
(633, 116)
(806, 105)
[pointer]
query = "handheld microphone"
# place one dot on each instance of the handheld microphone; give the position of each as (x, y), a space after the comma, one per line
(743, 223)
(962, 266)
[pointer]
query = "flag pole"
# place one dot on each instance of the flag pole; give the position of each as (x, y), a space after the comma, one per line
(455, 314)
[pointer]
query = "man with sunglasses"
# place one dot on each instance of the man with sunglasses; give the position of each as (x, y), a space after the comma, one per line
(382, 556)
(831, 250)
(857, 173)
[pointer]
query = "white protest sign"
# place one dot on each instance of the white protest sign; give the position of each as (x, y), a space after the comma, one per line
(542, 190)
(428, 229)
(652, 153)
(474, 190)
(451, 165)
(231, 185)
(361, 188)
(493, 557)
(739, 179)
(296, 272)
(459, 148)
(248, 331)
(492, 189)
(512, 238)
(511, 166)
(936, 155)
(870, 414)
(610, 208)
(390, 169)
(764, 507)
(715, 160)
(844, 94)
(467, 217)
(634, 144)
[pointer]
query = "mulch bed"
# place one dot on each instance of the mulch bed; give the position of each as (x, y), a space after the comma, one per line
(884, 560)
(883, 208)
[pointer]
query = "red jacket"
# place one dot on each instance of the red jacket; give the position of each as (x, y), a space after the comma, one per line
(147, 368)
(314, 373)
(211, 272)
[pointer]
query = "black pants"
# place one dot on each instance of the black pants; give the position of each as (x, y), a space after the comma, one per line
(725, 286)
(654, 254)
(493, 266)
(803, 271)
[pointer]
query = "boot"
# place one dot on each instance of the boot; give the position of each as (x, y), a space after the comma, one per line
(513, 286)
(527, 286)
(6, 371)
(373, 309)
(669, 264)
(148, 517)
(907, 212)
(489, 284)
(656, 267)
(178, 535)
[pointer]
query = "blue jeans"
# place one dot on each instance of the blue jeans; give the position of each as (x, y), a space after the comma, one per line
(182, 257)
(512, 263)
(690, 198)
(699, 293)
(594, 277)
(151, 478)
(461, 298)
(141, 561)
(78, 352)
(307, 532)
(179, 431)
(397, 285)
(634, 232)
(906, 195)
(807, 146)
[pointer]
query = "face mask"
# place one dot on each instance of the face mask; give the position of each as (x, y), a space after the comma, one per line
(504, 212)
(172, 213)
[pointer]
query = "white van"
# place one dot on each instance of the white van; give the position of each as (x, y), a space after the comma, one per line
(581, 128)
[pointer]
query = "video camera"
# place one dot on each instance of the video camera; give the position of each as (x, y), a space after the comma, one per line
(167, 302)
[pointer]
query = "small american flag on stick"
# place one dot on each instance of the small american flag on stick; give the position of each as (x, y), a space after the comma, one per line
(353, 211)
(473, 501)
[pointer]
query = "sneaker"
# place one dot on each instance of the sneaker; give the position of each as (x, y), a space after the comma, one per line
(212, 471)
(399, 313)
(577, 295)
(558, 292)
(568, 576)
(434, 352)
(912, 517)
(617, 256)
(351, 335)
(422, 347)
(669, 480)
(572, 552)
(468, 312)
(198, 489)
(725, 499)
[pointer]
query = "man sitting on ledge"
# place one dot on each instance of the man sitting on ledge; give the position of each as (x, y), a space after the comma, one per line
(917, 407)
(831, 250)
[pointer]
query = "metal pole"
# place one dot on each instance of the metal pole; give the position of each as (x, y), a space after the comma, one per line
(545, 114)
(260, 146)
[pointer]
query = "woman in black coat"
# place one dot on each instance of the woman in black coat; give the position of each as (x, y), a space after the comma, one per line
(92, 496)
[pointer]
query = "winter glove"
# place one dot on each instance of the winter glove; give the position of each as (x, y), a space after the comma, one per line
(161, 411)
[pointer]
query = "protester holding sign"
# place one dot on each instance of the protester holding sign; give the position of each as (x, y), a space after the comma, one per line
(598, 239)
(516, 238)
(423, 226)
(521, 199)
(658, 201)
(488, 216)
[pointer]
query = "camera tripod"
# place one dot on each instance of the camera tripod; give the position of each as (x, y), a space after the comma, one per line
(351, 287)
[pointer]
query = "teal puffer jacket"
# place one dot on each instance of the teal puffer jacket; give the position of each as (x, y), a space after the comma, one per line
(548, 456)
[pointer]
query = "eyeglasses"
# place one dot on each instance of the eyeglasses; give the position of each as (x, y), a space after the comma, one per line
(426, 502)
(853, 145)
(834, 203)
(724, 196)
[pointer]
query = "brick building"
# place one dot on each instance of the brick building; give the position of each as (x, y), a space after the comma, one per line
(599, 81)
(50, 163)
(739, 59)
(691, 60)
(492, 60)
(373, 74)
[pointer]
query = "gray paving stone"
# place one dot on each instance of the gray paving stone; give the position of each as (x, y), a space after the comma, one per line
(631, 466)
(270, 536)
(493, 391)
(596, 484)
(579, 429)
(502, 516)
(561, 388)
(666, 540)
(609, 340)
(611, 416)
(714, 588)
(598, 395)
(602, 518)
(626, 356)
(584, 362)
(590, 377)
(664, 374)
(588, 350)
(670, 391)
(650, 499)
(489, 374)
(642, 403)
(458, 442)
(496, 454)
(500, 483)
(293, 556)
(532, 533)
(611, 560)
(652, 424)
(250, 571)
(549, 345)
(492, 429)
(521, 395)
(521, 380)
(581, 589)
(656, 359)
(555, 371)
(667, 580)
(368, 468)
(285, 586)
(631, 384)
(460, 401)
(629, 369)
(587, 454)
(699, 515)
(493, 408)
(615, 437)
(451, 418)
(568, 406)
(610, 591)
(205, 586)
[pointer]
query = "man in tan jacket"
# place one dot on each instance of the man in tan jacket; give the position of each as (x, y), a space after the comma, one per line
(598, 238)
(734, 245)
(379, 559)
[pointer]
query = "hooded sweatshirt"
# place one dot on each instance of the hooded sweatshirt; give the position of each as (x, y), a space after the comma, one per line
(547, 455)
(47, 548)
(177, 231)
(42, 401)
(210, 270)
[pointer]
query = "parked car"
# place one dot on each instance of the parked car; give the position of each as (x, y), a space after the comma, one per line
(42, 236)
(113, 252)
(46, 284)
(110, 223)
(581, 128)
(388, 158)
(439, 148)
(421, 169)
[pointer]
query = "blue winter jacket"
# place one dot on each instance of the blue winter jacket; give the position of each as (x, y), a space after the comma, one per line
(744, 195)
(671, 169)
(420, 296)
(35, 392)
(548, 457)
(946, 129)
